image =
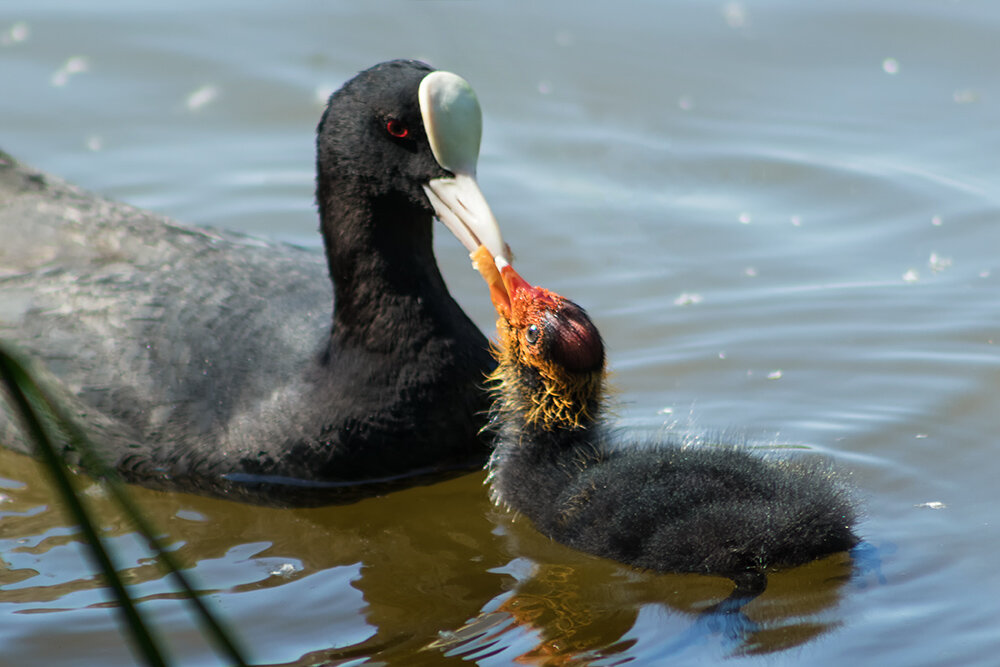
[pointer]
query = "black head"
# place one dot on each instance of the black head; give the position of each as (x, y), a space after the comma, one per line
(398, 144)
(371, 140)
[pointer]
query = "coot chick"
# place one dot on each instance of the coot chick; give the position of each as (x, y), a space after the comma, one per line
(654, 505)
(213, 362)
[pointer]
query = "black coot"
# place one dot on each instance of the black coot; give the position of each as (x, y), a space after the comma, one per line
(206, 361)
(655, 505)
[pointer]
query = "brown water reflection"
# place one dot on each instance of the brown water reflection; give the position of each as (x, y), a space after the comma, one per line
(429, 548)
(582, 608)
(443, 575)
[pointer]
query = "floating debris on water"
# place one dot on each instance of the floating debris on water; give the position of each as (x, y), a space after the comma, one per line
(911, 276)
(687, 299)
(284, 570)
(775, 375)
(191, 515)
(199, 98)
(967, 96)
(932, 505)
(890, 66)
(17, 33)
(938, 263)
(73, 65)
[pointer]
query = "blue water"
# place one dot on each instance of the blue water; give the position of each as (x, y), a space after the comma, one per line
(783, 216)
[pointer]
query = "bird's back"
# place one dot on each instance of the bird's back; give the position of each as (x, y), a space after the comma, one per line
(202, 360)
(143, 318)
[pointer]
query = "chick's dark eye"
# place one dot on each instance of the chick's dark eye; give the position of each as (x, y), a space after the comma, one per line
(531, 334)
(397, 128)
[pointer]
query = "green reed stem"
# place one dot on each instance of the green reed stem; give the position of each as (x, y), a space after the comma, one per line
(20, 385)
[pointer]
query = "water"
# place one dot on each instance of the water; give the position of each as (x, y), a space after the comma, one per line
(783, 216)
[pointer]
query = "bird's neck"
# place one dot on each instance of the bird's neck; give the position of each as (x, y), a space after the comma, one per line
(537, 451)
(546, 404)
(381, 260)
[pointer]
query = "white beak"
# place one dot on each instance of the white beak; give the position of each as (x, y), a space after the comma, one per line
(453, 122)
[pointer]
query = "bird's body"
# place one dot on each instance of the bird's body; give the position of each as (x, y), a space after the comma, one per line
(672, 508)
(654, 505)
(214, 362)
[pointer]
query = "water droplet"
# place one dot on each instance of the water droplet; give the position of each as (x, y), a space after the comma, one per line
(73, 65)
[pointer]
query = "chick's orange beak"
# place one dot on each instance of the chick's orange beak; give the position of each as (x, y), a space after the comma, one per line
(511, 294)
(482, 259)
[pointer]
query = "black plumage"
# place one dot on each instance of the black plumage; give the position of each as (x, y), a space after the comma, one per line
(213, 362)
(655, 505)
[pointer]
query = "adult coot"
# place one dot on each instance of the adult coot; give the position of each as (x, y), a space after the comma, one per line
(206, 361)
(655, 505)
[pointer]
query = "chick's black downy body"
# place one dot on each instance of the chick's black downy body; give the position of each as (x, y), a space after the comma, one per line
(672, 508)
(657, 505)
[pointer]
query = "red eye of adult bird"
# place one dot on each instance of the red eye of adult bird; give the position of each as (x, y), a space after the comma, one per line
(397, 128)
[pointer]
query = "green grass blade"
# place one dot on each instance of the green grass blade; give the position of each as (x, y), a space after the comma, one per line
(211, 627)
(18, 383)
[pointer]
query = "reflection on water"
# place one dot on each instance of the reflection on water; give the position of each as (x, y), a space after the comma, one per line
(406, 551)
(568, 608)
(524, 598)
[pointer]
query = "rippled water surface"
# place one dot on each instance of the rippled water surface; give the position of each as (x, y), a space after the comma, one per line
(783, 216)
